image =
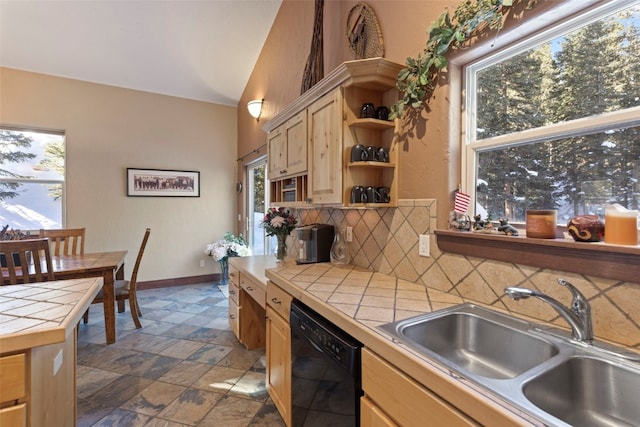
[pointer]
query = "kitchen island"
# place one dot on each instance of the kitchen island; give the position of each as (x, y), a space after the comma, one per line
(38, 350)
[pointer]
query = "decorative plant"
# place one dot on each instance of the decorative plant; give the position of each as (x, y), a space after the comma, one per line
(229, 246)
(418, 79)
(279, 221)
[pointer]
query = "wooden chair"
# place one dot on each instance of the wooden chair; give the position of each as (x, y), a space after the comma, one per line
(126, 289)
(25, 260)
(65, 241)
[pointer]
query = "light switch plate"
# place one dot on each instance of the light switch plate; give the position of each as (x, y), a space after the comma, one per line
(423, 245)
(348, 234)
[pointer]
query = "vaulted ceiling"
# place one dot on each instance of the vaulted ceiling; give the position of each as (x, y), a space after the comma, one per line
(196, 49)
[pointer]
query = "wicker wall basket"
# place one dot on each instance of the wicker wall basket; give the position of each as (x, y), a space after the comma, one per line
(363, 32)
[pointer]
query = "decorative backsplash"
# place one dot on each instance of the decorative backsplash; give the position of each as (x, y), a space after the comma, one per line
(386, 240)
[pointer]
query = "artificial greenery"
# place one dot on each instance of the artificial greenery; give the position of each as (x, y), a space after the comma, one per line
(418, 79)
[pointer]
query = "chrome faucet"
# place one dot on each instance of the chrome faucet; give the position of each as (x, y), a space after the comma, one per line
(578, 316)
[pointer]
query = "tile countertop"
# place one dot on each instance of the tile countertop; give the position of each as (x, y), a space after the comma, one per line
(255, 266)
(358, 300)
(44, 313)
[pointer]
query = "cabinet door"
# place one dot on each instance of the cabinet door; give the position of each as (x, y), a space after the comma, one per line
(277, 153)
(296, 135)
(234, 317)
(382, 382)
(279, 363)
(325, 149)
(372, 416)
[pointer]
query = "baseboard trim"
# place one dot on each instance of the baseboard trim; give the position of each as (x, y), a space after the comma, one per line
(180, 281)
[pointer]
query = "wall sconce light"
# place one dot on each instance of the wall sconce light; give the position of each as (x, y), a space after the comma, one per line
(255, 108)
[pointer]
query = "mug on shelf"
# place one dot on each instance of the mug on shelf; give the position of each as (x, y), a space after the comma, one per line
(358, 153)
(373, 195)
(368, 111)
(358, 194)
(372, 153)
(382, 155)
(385, 197)
(382, 113)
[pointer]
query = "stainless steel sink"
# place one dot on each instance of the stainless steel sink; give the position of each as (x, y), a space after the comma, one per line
(588, 392)
(475, 340)
(543, 371)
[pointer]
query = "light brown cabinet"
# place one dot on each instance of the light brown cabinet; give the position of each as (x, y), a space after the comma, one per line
(287, 148)
(325, 149)
(279, 350)
(393, 397)
(13, 392)
(332, 110)
(246, 309)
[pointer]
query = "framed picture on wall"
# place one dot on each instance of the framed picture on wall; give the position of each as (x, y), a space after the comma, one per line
(162, 183)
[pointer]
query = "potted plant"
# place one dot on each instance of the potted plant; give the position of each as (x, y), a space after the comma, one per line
(222, 249)
(280, 223)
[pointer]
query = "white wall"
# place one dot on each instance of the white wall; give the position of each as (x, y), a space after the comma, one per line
(109, 129)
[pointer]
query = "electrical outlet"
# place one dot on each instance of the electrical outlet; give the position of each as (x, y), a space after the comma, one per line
(423, 245)
(348, 234)
(201, 263)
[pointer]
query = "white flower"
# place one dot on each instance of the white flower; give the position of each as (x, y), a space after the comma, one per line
(277, 221)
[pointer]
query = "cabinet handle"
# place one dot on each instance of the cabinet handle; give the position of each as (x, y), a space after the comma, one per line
(232, 317)
(276, 301)
(283, 171)
(249, 288)
(232, 292)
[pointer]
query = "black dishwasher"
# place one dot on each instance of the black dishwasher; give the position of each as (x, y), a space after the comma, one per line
(326, 381)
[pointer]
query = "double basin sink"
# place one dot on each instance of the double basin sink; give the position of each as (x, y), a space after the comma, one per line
(539, 370)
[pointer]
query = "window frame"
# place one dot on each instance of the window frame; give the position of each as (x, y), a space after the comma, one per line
(63, 182)
(528, 35)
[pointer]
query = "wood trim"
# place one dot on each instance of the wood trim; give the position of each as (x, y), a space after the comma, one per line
(594, 259)
(179, 281)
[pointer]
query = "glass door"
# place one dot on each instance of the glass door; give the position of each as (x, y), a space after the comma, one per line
(258, 194)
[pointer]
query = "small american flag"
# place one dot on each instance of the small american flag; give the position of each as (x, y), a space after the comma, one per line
(461, 202)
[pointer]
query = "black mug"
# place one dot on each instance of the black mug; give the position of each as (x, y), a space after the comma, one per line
(358, 194)
(358, 153)
(382, 155)
(372, 153)
(385, 197)
(382, 113)
(373, 195)
(368, 111)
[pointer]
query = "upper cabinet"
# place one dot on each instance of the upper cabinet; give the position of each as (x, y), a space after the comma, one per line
(326, 125)
(287, 148)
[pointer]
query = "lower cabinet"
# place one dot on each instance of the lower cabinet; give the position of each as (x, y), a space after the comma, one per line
(13, 392)
(392, 398)
(38, 387)
(246, 309)
(279, 350)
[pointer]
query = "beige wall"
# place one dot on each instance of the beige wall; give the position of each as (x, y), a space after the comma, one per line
(109, 129)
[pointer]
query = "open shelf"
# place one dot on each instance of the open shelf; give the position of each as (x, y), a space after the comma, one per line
(371, 165)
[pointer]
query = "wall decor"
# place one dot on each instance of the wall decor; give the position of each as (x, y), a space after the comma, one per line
(162, 183)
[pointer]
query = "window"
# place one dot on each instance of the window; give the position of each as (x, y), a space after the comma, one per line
(553, 122)
(257, 193)
(31, 179)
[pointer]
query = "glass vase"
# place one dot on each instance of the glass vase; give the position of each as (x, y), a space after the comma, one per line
(281, 249)
(339, 250)
(224, 272)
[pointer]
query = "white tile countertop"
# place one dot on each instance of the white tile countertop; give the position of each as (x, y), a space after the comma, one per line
(44, 313)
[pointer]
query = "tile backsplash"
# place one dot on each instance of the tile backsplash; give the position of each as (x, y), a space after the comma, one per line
(386, 240)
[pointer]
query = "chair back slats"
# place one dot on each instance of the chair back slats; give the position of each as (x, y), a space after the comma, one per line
(26, 261)
(65, 241)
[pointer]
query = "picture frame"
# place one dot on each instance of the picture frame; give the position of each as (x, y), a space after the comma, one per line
(162, 183)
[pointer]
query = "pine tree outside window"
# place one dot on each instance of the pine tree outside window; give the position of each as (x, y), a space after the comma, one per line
(553, 122)
(32, 178)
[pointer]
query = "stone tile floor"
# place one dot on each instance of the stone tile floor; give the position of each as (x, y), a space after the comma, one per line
(183, 368)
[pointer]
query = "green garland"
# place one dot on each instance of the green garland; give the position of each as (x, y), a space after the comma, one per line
(419, 77)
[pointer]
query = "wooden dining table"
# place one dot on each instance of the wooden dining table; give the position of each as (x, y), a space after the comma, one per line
(108, 265)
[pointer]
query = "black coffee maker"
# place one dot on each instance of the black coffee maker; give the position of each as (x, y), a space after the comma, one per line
(315, 243)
